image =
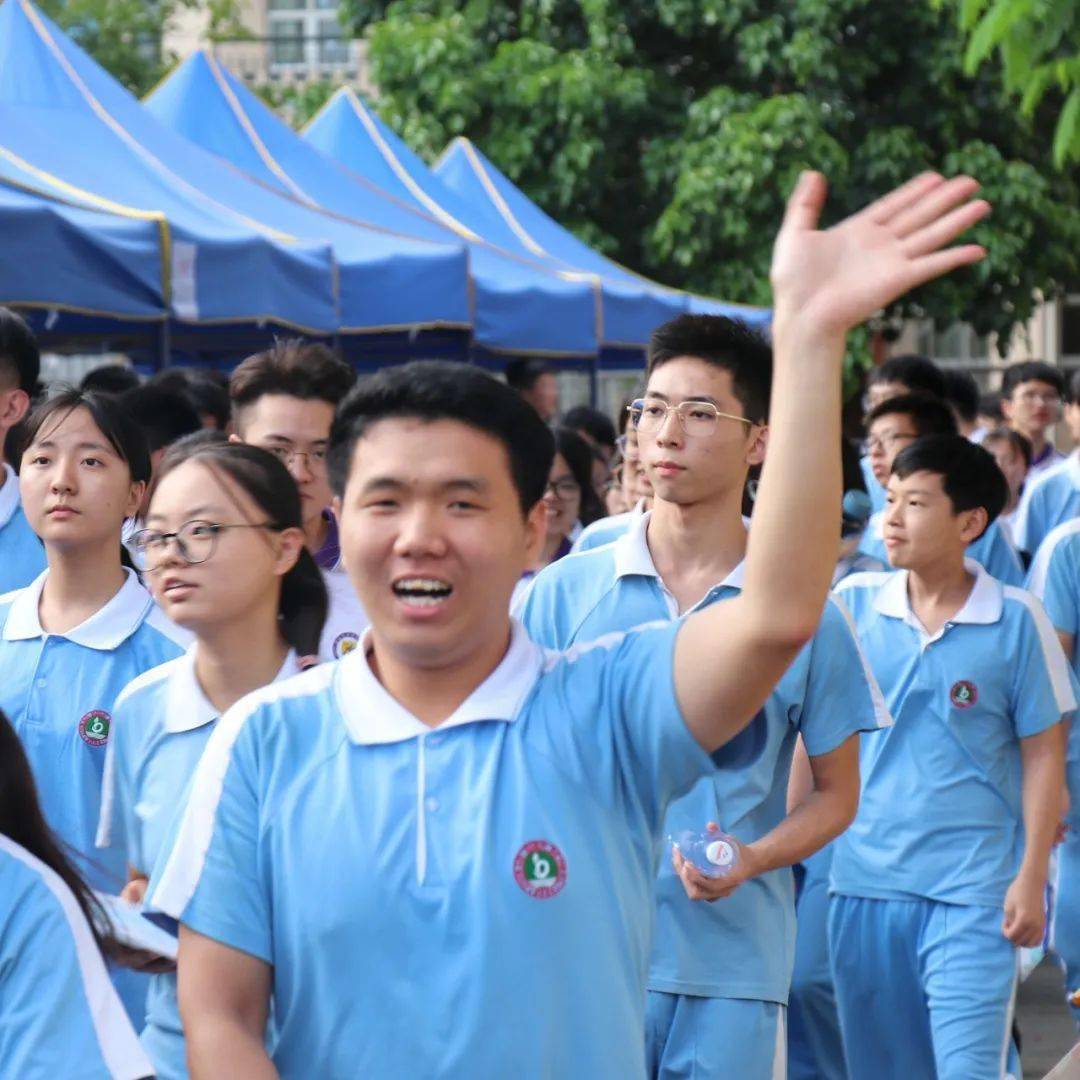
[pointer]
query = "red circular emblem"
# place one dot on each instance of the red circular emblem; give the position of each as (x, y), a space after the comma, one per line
(540, 869)
(964, 694)
(94, 727)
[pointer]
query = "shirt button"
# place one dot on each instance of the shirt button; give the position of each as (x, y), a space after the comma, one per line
(431, 804)
(40, 682)
(434, 740)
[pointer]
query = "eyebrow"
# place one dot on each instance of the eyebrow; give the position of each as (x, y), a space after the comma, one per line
(393, 483)
(693, 397)
(191, 515)
(290, 440)
(50, 444)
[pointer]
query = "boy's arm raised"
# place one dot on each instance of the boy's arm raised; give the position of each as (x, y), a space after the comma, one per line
(729, 657)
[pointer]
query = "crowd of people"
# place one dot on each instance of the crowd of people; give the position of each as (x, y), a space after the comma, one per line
(388, 695)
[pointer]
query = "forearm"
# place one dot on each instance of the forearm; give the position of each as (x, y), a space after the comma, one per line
(821, 817)
(213, 1039)
(1044, 780)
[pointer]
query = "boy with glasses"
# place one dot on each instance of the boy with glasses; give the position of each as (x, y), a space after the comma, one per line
(1031, 394)
(893, 426)
(719, 973)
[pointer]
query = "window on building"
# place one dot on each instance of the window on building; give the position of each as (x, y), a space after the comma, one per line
(287, 41)
(956, 344)
(1070, 328)
(333, 49)
(287, 5)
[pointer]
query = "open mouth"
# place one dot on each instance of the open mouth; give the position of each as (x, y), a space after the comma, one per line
(422, 592)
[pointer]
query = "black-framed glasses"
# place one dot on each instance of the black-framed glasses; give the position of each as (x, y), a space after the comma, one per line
(698, 418)
(196, 541)
(563, 488)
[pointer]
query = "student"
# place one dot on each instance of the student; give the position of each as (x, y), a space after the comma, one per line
(594, 427)
(719, 973)
(61, 1016)
(1012, 452)
(1052, 496)
(537, 383)
(990, 414)
(897, 377)
(163, 413)
(637, 492)
(896, 424)
(962, 396)
(22, 557)
(223, 553)
(942, 875)
(205, 394)
(454, 806)
(76, 636)
(283, 400)
(1031, 394)
(112, 379)
(570, 500)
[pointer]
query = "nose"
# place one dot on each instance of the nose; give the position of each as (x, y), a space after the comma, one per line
(419, 535)
(63, 477)
(300, 469)
(670, 431)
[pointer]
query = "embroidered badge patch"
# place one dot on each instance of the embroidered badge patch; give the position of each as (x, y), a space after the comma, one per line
(94, 727)
(345, 643)
(540, 869)
(964, 694)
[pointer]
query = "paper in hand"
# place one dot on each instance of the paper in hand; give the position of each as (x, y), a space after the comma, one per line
(131, 928)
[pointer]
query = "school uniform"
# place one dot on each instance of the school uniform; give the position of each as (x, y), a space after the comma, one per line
(346, 618)
(875, 490)
(719, 973)
(61, 1016)
(162, 721)
(22, 555)
(58, 691)
(606, 529)
(1047, 502)
(1055, 579)
(925, 980)
(994, 550)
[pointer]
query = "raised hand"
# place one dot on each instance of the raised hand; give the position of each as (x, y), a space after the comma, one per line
(834, 279)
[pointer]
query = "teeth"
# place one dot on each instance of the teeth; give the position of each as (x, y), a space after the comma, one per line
(422, 592)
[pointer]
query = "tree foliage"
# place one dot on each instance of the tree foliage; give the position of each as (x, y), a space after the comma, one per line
(668, 132)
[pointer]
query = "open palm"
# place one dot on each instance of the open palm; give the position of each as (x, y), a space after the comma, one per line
(839, 277)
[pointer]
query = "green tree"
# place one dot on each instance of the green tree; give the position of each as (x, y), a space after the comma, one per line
(1038, 43)
(668, 132)
(297, 102)
(125, 36)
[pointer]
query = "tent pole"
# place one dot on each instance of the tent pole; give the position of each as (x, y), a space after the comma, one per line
(164, 345)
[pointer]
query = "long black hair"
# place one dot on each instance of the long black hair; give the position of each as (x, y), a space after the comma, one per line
(21, 820)
(577, 455)
(303, 603)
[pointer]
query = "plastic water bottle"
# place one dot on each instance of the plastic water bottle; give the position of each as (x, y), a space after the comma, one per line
(714, 853)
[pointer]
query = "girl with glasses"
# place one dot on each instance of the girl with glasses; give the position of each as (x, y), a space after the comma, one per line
(85, 627)
(570, 498)
(223, 553)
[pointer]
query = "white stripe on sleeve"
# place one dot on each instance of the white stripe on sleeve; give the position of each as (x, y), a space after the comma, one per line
(120, 1048)
(881, 710)
(1057, 665)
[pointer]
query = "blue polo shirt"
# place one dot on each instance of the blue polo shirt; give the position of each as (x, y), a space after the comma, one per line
(59, 691)
(22, 556)
(61, 1016)
(470, 900)
(744, 946)
(940, 815)
(607, 529)
(161, 723)
(1052, 498)
(875, 490)
(994, 550)
(1055, 579)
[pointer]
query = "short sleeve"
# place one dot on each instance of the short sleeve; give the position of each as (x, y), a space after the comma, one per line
(842, 696)
(209, 875)
(117, 824)
(1044, 687)
(540, 611)
(995, 551)
(1056, 585)
(610, 717)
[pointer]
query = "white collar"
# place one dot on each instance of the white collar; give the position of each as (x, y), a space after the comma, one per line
(983, 605)
(373, 716)
(187, 707)
(109, 627)
(9, 494)
(632, 555)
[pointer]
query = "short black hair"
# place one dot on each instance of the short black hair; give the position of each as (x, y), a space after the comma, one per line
(918, 373)
(1031, 371)
(114, 379)
(969, 474)
(593, 422)
(578, 456)
(20, 359)
(990, 405)
(524, 372)
(962, 393)
(431, 390)
(929, 415)
(1020, 443)
(728, 344)
(164, 415)
(295, 368)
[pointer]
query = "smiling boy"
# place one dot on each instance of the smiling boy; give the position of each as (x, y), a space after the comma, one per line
(437, 855)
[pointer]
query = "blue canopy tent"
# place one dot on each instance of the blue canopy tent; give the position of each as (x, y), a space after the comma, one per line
(467, 172)
(520, 304)
(348, 130)
(240, 253)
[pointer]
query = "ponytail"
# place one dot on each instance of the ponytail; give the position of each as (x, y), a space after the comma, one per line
(303, 605)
